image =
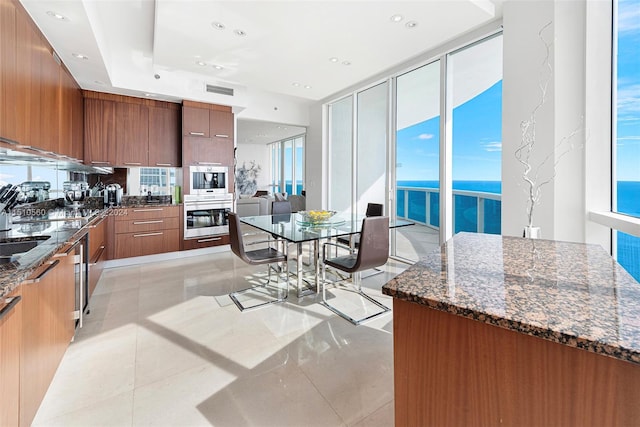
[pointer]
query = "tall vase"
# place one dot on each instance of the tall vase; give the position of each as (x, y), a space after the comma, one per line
(531, 232)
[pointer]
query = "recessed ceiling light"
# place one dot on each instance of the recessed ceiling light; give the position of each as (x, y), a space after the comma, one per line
(346, 63)
(218, 67)
(150, 94)
(200, 63)
(296, 84)
(396, 18)
(411, 24)
(307, 87)
(218, 25)
(57, 15)
(333, 59)
(79, 56)
(240, 33)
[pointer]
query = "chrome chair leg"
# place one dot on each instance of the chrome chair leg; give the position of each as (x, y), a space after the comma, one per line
(357, 283)
(234, 295)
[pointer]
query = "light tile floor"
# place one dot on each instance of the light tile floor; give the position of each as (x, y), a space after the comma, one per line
(164, 345)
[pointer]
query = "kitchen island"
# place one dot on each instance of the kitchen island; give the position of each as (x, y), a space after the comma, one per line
(496, 330)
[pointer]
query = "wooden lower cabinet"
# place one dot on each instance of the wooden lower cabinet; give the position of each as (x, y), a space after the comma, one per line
(48, 299)
(147, 231)
(146, 243)
(10, 349)
(454, 371)
(205, 242)
(97, 251)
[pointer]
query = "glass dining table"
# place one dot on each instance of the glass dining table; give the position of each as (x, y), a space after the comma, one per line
(295, 231)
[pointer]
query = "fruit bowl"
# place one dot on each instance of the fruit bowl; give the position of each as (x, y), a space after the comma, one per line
(316, 217)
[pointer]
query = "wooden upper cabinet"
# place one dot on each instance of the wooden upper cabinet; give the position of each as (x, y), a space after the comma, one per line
(49, 101)
(77, 123)
(65, 140)
(132, 134)
(195, 122)
(100, 132)
(164, 137)
(29, 70)
(221, 124)
(8, 71)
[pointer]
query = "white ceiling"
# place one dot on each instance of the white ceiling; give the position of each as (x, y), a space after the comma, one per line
(138, 47)
(261, 132)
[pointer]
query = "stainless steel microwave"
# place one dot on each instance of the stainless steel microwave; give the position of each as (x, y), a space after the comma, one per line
(205, 180)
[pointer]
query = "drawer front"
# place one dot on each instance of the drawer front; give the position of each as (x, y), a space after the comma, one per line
(147, 243)
(151, 212)
(206, 242)
(152, 224)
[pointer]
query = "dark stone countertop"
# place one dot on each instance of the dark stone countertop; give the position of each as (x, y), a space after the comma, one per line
(60, 225)
(570, 293)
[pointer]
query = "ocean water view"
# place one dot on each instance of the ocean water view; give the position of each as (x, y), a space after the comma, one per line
(412, 203)
(628, 196)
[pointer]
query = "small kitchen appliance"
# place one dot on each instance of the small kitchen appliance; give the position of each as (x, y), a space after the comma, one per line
(208, 180)
(113, 195)
(75, 192)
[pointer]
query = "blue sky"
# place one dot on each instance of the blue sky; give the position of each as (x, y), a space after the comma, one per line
(477, 142)
(628, 89)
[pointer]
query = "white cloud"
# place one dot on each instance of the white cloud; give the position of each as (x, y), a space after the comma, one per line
(492, 146)
(628, 17)
(425, 136)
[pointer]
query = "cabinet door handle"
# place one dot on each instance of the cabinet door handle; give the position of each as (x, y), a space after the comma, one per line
(163, 164)
(148, 234)
(41, 276)
(219, 135)
(100, 251)
(196, 133)
(96, 162)
(148, 210)
(157, 221)
(213, 239)
(133, 163)
(11, 302)
(209, 163)
(97, 223)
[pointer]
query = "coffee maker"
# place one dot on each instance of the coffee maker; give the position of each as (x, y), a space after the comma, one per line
(113, 195)
(75, 192)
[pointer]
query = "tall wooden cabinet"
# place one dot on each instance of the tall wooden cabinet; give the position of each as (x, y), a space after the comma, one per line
(207, 138)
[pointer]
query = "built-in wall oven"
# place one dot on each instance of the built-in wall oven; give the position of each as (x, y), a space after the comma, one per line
(206, 215)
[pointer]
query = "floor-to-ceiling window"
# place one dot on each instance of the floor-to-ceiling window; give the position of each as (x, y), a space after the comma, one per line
(371, 146)
(473, 110)
(275, 171)
(627, 128)
(475, 90)
(417, 147)
(287, 165)
(340, 154)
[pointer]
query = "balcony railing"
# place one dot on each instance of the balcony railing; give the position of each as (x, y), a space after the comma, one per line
(473, 211)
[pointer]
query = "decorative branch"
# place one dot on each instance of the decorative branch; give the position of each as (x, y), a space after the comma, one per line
(531, 174)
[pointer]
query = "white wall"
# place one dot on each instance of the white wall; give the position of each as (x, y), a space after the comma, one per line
(246, 153)
(563, 210)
